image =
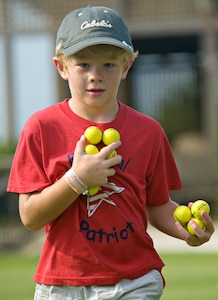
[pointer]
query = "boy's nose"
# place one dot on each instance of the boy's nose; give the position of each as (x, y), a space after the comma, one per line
(96, 74)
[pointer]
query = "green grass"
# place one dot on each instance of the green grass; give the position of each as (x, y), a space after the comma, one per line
(188, 276)
(191, 276)
(16, 277)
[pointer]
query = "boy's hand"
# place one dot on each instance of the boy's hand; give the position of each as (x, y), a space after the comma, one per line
(94, 170)
(201, 236)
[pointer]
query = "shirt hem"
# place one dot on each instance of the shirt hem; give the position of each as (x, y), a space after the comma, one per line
(93, 281)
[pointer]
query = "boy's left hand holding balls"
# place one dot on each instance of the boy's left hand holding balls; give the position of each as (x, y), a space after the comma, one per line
(197, 236)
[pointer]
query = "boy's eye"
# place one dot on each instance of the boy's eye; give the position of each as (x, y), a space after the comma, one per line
(87, 65)
(108, 65)
(84, 65)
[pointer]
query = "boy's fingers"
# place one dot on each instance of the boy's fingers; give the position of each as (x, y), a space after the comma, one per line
(208, 222)
(190, 204)
(80, 145)
(107, 150)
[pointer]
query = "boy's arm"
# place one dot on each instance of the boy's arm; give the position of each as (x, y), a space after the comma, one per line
(40, 208)
(162, 218)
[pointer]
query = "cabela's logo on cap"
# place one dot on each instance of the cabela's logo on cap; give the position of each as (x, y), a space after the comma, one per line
(94, 23)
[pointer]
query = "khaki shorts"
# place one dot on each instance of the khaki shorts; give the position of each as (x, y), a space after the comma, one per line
(146, 287)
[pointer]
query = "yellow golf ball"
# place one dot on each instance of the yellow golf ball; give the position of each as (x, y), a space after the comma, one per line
(198, 206)
(91, 149)
(110, 135)
(112, 154)
(93, 190)
(198, 222)
(182, 214)
(93, 135)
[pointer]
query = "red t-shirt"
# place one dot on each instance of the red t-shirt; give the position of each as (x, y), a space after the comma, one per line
(102, 239)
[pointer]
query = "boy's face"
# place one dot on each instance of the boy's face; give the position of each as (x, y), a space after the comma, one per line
(94, 79)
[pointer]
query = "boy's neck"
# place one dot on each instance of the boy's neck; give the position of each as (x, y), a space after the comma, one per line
(96, 114)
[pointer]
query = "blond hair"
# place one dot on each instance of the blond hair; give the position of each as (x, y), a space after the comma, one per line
(108, 50)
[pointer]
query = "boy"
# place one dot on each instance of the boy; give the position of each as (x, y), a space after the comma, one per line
(97, 246)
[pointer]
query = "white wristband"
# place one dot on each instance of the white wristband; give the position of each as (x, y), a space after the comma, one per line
(75, 182)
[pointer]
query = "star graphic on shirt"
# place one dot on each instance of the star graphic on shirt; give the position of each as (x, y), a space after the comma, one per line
(93, 202)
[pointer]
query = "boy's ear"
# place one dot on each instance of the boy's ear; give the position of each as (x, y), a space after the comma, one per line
(126, 69)
(60, 67)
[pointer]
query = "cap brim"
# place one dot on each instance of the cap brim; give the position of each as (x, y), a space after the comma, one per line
(96, 41)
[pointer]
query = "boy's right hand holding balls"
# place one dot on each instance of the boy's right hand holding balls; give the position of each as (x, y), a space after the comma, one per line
(95, 157)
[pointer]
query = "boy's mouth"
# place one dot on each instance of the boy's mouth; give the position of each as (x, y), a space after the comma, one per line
(96, 92)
